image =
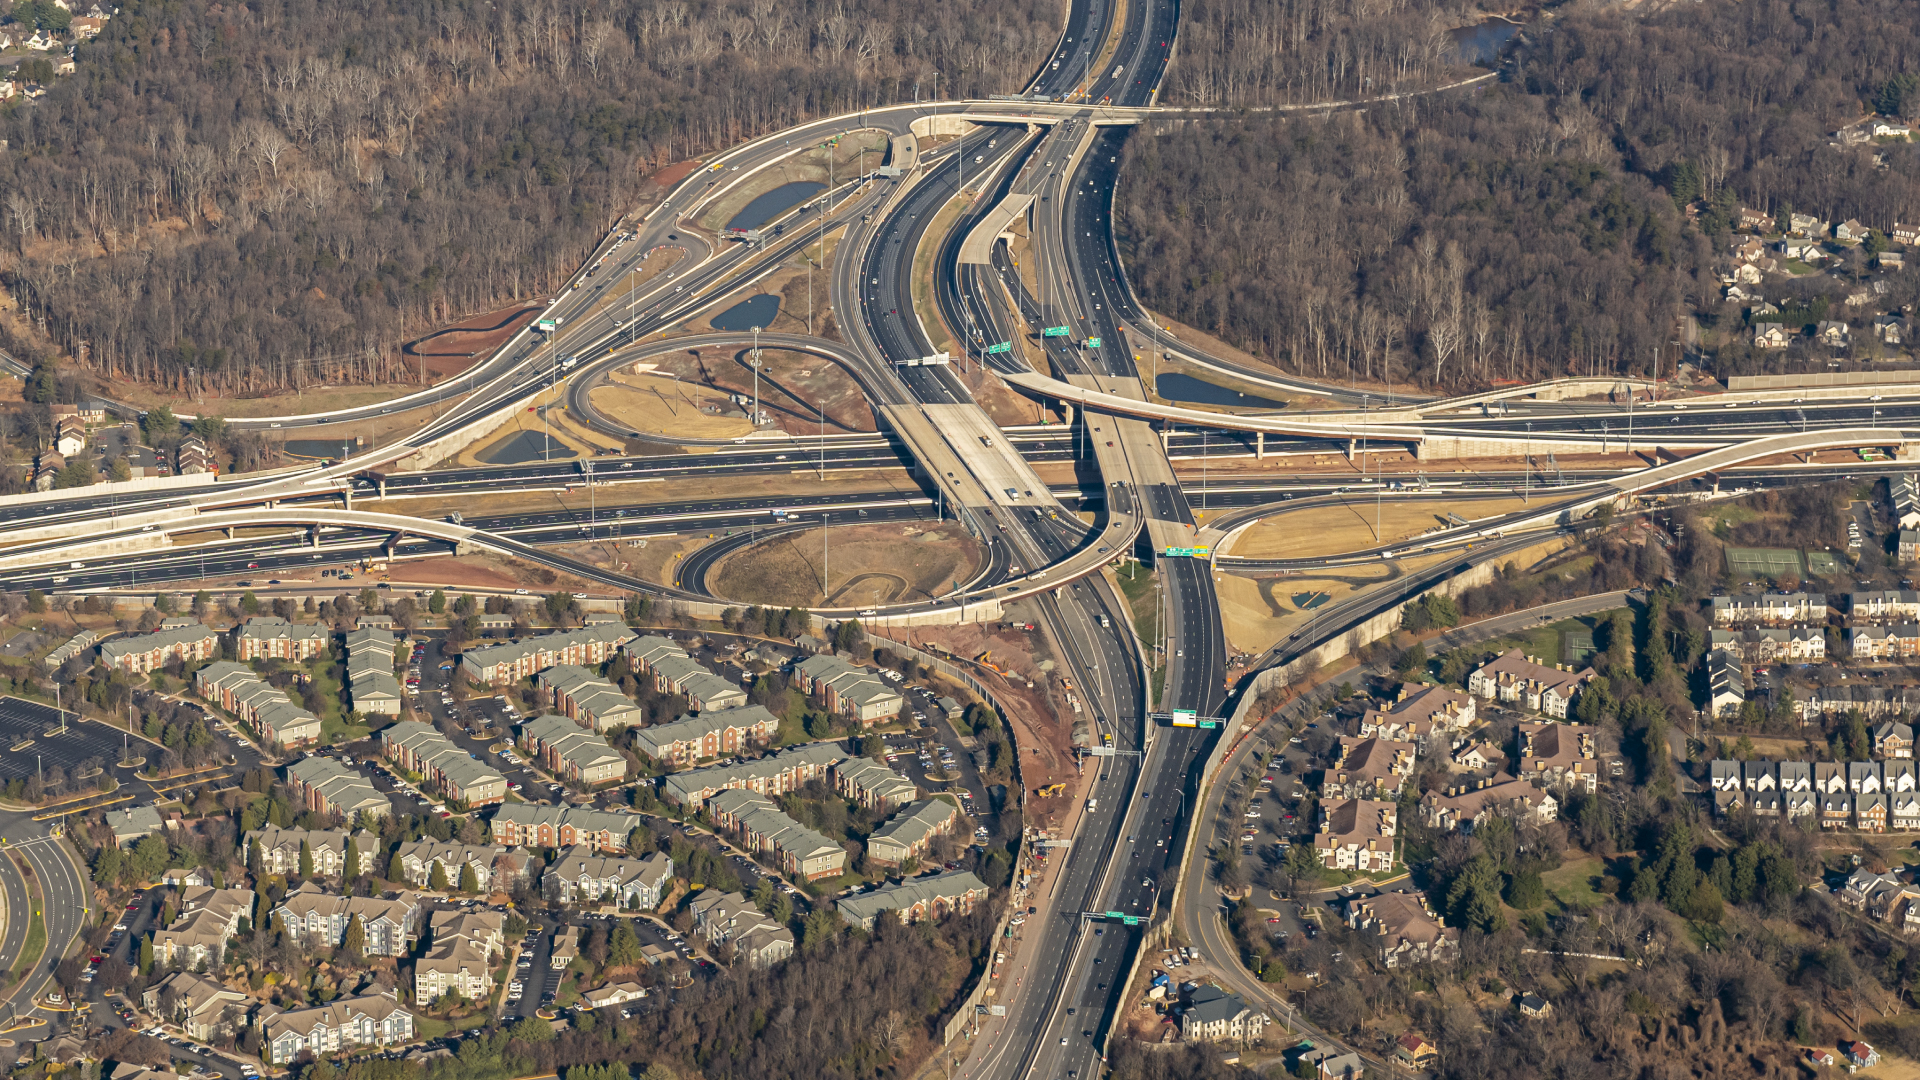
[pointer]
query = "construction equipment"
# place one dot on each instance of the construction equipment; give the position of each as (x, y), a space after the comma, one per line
(1050, 790)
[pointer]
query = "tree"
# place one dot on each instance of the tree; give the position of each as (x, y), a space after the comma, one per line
(77, 473)
(149, 857)
(159, 423)
(350, 866)
(306, 861)
(355, 939)
(1411, 662)
(211, 429)
(437, 877)
(36, 601)
(1525, 891)
(146, 955)
(437, 604)
(848, 635)
(469, 881)
(118, 470)
(255, 859)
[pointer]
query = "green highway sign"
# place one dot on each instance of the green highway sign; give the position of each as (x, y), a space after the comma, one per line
(1003, 347)
(1209, 723)
(545, 325)
(1056, 331)
(1130, 920)
(1188, 553)
(1093, 343)
(1115, 915)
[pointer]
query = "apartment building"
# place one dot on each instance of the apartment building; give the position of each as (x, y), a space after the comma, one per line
(579, 876)
(1415, 717)
(139, 654)
(909, 833)
(1518, 679)
(568, 750)
(371, 683)
(208, 918)
(346, 1024)
(916, 899)
(539, 825)
(419, 749)
(269, 637)
(855, 692)
(1465, 807)
(315, 917)
(1356, 834)
(272, 715)
(708, 734)
(1553, 755)
(775, 774)
(203, 1008)
(763, 827)
(703, 689)
(587, 699)
(325, 785)
(1883, 898)
(1369, 767)
(1875, 702)
(1215, 1015)
(870, 784)
(757, 940)
(591, 645)
(495, 869)
(1403, 929)
(326, 850)
(1726, 684)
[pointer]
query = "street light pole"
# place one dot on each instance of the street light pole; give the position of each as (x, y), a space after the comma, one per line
(755, 418)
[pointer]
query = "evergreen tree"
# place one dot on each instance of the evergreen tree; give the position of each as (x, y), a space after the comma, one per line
(469, 881)
(350, 869)
(437, 877)
(355, 941)
(146, 955)
(306, 861)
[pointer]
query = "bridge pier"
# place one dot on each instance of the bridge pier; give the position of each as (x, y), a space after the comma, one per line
(313, 535)
(229, 532)
(1259, 446)
(347, 493)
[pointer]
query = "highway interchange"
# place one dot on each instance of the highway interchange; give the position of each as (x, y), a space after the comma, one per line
(1135, 481)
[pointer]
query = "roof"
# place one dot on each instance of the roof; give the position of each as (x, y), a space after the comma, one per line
(593, 694)
(159, 639)
(684, 785)
(690, 727)
(1212, 1005)
(275, 628)
(876, 779)
(914, 824)
(579, 862)
(584, 819)
(951, 885)
(514, 652)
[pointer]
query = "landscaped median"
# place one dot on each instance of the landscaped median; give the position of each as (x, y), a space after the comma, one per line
(35, 945)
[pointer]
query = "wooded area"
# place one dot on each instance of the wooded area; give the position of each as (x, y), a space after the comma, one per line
(1531, 228)
(285, 190)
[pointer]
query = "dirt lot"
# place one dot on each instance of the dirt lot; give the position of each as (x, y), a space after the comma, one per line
(792, 385)
(1038, 715)
(476, 571)
(1259, 610)
(660, 405)
(449, 351)
(1333, 530)
(867, 564)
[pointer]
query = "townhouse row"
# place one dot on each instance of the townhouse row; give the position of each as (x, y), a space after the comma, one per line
(567, 750)
(590, 645)
(1871, 796)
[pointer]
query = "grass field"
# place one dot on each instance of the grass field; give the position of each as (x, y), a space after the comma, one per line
(1572, 886)
(1332, 530)
(658, 405)
(866, 564)
(1550, 642)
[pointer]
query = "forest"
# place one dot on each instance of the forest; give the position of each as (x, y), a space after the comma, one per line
(283, 191)
(1533, 227)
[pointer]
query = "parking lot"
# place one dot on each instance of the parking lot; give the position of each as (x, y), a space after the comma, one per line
(25, 746)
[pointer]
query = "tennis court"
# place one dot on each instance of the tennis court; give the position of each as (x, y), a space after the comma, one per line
(1822, 564)
(1577, 646)
(1764, 562)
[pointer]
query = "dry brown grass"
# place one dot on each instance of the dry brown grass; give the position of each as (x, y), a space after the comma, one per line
(867, 564)
(1333, 530)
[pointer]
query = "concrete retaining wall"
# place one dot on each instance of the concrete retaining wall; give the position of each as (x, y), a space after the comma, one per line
(446, 446)
(1824, 378)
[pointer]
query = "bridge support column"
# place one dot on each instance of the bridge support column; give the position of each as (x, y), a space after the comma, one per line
(1353, 448)
(461, 547)
(383, 487)
(391, 547)
(313, 536)
(229, 532)
(1259, 446)
(347, 493)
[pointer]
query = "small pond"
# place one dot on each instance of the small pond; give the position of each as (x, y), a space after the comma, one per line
(1177, 387)
(749, 313)
(319, 448)
(772, 204)
(524, 446)
(1482, 43)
